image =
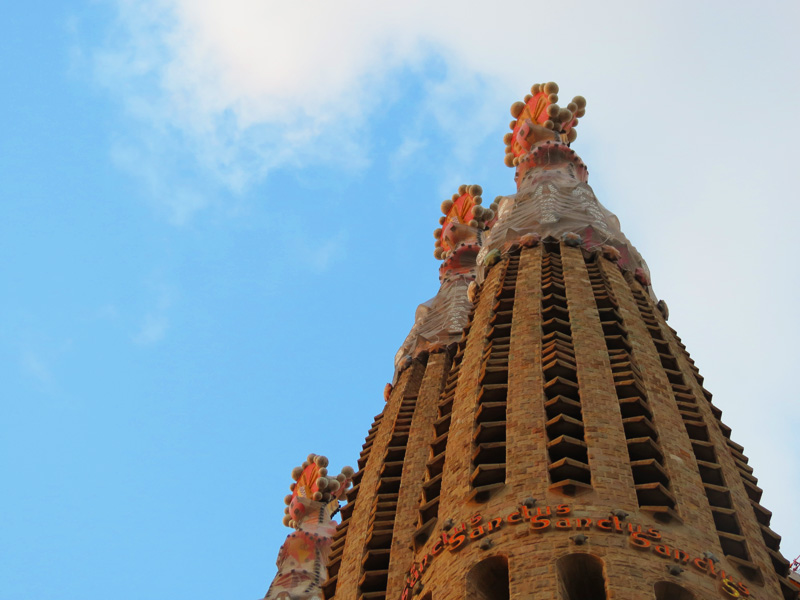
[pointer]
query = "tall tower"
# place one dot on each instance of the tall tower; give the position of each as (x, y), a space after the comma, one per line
(547, 435)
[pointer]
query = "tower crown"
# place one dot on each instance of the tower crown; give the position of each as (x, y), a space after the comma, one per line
(464, 217)
(540, 118)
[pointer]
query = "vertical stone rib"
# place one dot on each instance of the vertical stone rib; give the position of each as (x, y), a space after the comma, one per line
(604, 437)
(761, 515)
(428, 510)
(568, 467)
(340, 537)
(458, 467)
(416, 457)
(526, 446)
(692, 507)
(488, 473)
(651, 479)
(364, 491)
(377, 550)
(706, 449)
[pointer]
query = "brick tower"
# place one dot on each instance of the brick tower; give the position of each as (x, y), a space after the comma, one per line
(547, 435)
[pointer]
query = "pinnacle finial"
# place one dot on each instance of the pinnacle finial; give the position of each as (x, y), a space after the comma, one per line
(313, 483)
(540, 118)
(464, 216)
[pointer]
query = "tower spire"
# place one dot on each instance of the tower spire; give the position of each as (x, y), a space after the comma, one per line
(567, 448)
(438, 323)
(554, 198)
(303, 556)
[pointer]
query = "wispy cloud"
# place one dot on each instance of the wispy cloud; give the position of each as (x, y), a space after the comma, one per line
(155, 323)
(320, 253)
(34, 366)
(153, 329)
(241, 87)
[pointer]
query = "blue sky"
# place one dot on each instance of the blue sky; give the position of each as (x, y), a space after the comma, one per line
(216, 226)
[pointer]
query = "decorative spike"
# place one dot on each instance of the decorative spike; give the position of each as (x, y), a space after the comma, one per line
(580, 101)
(553, 98)
(551, 87)
(527, 98)
(552, 110)
(580, 112)
(509, 160)
(512, 124)
(297, 472)
(442, 220)
(516, 109)
(446, 206)
(437, 233)
(548, 124)
(477, 199)
(475, 190)
(437, 253)
(572, 135)
(564, 115)
(536, 88)
(288, 499)
(507, 138)
(572, 106)
(462, 189)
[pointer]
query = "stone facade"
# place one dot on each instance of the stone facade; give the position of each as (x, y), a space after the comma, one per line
(564, 448)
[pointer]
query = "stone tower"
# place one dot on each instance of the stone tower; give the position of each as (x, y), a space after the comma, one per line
(547, 435)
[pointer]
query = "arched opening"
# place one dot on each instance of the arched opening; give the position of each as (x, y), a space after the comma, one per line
(488, 580)
(580, 577)
(666, 590)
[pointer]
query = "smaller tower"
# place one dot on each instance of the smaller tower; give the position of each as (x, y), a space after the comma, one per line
(309, 511)
(439, 322)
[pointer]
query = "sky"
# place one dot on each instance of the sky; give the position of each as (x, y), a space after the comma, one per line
(215, 226)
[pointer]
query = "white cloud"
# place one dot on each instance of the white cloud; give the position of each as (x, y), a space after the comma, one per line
(319, 253)
(34, 365)
(246, 86)
(155, 323)
(689, 104)
(153, 329)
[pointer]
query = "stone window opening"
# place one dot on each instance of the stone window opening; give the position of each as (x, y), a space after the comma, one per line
(667, 590)
(580, 577)
(488, 580)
